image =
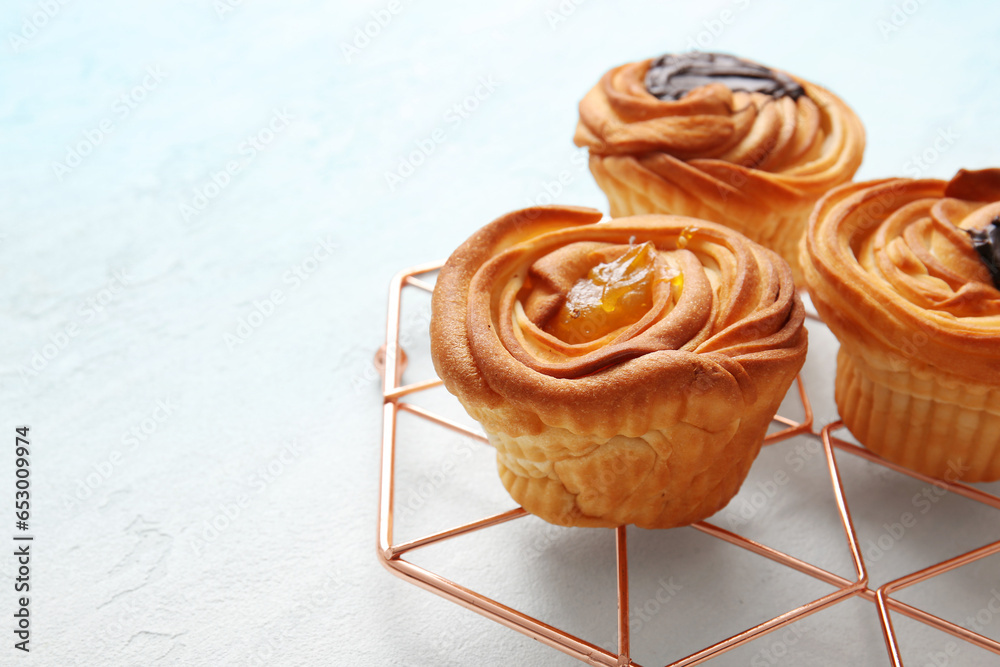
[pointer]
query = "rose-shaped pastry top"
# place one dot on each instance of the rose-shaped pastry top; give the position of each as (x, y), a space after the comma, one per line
(544, 309)
(744, 117)
(901, 255)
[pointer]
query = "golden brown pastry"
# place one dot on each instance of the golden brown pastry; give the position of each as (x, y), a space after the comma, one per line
(900, 270)
(720, 138)
(626, 371)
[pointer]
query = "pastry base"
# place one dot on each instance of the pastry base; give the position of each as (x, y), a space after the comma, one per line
(920, 420)
(627, 480)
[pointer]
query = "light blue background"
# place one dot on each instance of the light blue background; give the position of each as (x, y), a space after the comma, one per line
(126, 575)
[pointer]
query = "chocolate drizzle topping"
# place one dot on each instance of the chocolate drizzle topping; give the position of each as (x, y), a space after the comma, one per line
(987, 244)
(672, 76)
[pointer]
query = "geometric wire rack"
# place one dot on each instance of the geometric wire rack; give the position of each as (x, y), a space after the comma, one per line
(391, 361)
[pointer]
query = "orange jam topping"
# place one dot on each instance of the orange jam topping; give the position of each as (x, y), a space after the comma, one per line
(612, 295)
(685, 236)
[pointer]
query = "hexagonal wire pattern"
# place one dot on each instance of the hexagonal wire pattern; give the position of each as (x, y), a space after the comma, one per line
(391, 360)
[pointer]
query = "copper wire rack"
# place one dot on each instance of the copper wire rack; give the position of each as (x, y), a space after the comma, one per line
(391, 361)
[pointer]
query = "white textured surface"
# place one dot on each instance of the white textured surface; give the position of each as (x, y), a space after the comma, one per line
(275, 438)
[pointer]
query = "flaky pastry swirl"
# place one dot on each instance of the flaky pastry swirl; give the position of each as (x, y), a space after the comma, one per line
(655, 422)
(893, 272)
(748, 160)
